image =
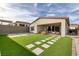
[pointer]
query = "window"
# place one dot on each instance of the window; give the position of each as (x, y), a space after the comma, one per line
(32, 28)
(49, 28)
(52, 28)
(21, 24)
(57, 28)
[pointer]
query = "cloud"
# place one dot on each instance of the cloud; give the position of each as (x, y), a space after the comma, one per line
(14, 13)
(73, 17)
(50, 15)
(29, 12)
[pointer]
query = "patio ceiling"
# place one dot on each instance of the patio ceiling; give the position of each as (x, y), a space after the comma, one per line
(56, 24)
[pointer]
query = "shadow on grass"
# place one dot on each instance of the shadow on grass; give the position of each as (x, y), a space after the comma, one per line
(10, 48)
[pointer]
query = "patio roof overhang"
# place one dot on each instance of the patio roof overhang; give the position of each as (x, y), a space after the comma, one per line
(56, 17)
(57, 23)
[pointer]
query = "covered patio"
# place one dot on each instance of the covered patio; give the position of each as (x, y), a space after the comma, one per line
(55, 25)
(54, 28)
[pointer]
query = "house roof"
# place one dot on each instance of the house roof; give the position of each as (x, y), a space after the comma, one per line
(22, 22)
(5, 21)
(74, 25)
(57, 17)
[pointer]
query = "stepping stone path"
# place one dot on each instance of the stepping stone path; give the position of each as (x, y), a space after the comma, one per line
(56, 39)
(38, 43)
(30, 46)
(53, 40)
(37, 51)
(44, 44)
(49, 42)
(48, 38)
(43, 40)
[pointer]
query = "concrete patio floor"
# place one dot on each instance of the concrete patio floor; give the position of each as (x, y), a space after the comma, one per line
(75, 46)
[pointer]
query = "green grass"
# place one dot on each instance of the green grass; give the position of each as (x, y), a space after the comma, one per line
(0, 53)
(16, 46)
(10, 48)
(30, 39)
(63, 47)
(24, 40)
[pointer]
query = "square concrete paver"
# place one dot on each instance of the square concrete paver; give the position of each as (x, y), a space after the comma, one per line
(38, 43)
(30, 46)
(46, 39)
(53, 40)
(57, 39)
(49, 42)
(37, 51)
(45, 46)
(43, 40)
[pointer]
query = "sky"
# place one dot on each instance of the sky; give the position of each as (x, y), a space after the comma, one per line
(31, 11)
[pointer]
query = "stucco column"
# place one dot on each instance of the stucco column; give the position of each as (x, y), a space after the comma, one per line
(63, 29)
(1, 22)
(35, 29)
(18, 24)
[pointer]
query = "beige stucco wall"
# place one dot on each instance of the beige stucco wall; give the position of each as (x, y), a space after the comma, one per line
(50, 21)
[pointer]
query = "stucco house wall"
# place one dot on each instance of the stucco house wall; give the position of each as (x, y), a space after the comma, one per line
(50, 21)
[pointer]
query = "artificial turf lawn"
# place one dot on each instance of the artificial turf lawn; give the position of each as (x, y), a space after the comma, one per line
(24, 40)
(63, 47)
(30, 39)
(10, 48)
